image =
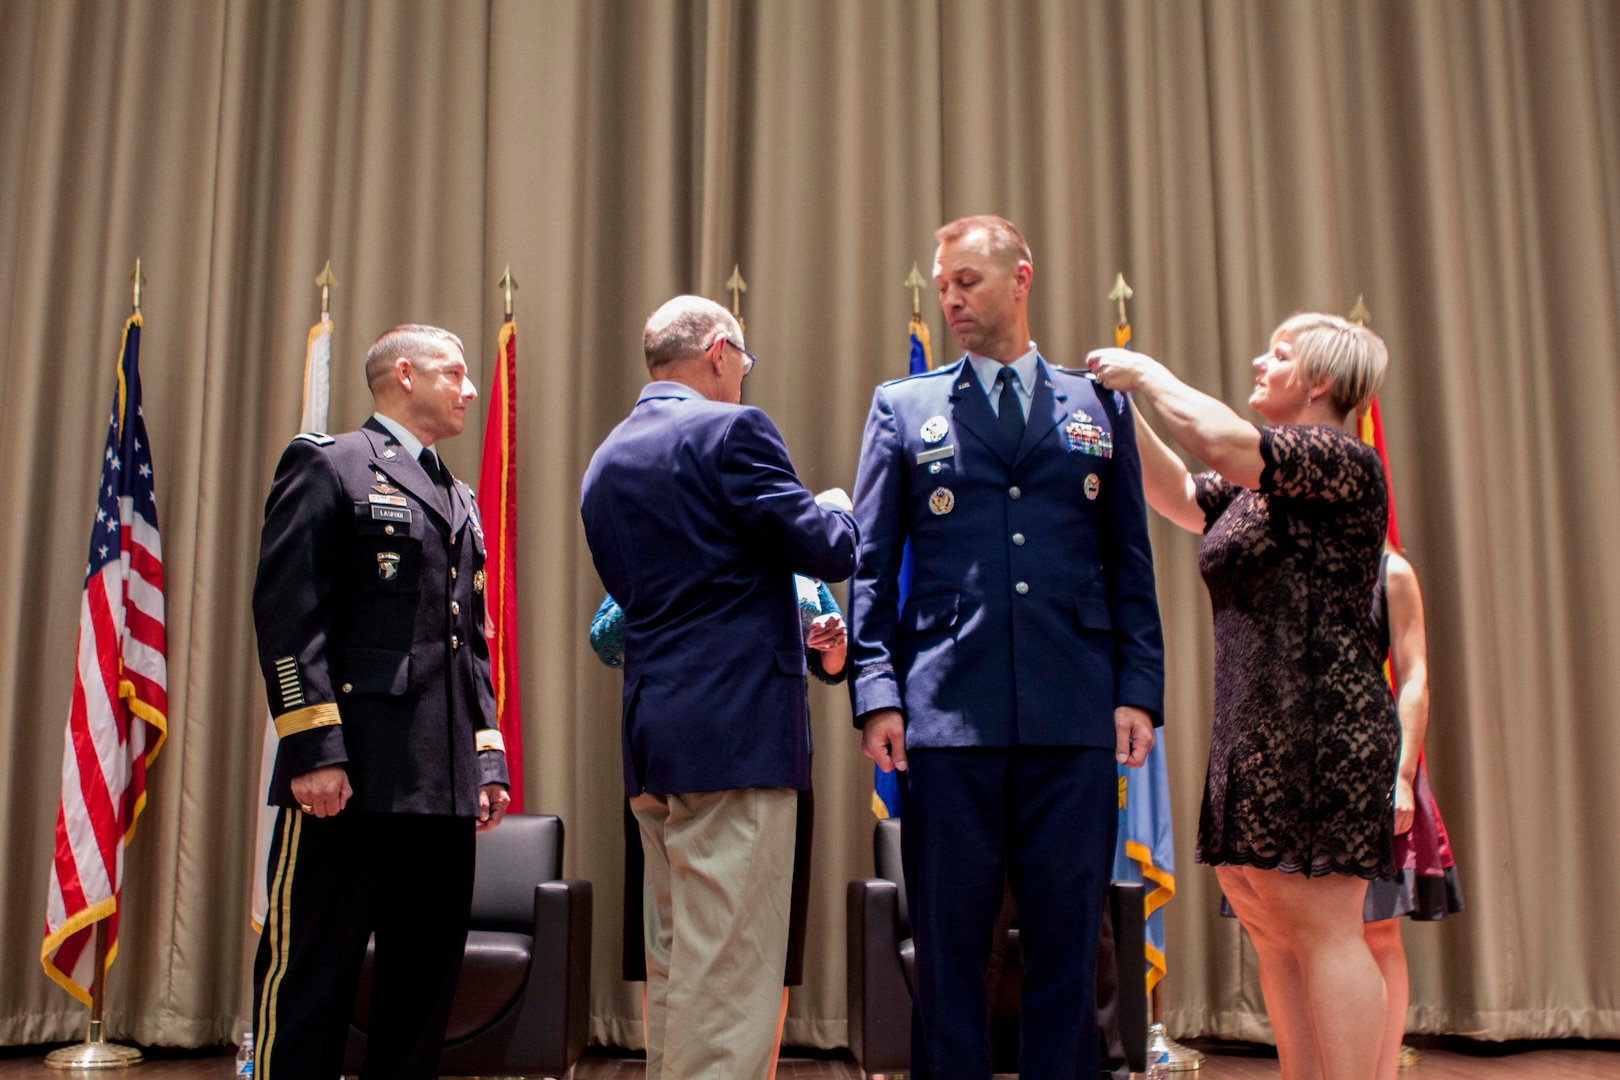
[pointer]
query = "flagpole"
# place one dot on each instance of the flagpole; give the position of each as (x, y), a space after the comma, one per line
(1182, 1058)
(737, 286)
(96, 1052)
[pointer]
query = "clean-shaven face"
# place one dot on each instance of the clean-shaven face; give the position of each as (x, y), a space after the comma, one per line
(977, 292)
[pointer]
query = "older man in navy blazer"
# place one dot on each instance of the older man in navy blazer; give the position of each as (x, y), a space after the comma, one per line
(697, 524)
(1026, 662)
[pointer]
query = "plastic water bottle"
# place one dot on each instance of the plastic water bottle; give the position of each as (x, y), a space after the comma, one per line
(1158, 1055)
(244, 1056)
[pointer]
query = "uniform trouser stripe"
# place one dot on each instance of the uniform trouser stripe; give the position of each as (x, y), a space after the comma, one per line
(278, 927)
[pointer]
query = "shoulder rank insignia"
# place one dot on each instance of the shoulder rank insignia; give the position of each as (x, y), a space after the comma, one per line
(319, 438)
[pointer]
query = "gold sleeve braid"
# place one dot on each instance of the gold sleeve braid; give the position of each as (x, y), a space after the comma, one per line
(306, 719)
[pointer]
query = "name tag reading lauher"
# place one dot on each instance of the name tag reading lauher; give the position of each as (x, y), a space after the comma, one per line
(925, 456)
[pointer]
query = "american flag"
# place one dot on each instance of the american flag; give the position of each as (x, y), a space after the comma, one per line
(119, 716)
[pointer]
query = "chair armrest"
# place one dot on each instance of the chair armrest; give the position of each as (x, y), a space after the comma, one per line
(879, 1001)
(555, 1020)
(1127, 908)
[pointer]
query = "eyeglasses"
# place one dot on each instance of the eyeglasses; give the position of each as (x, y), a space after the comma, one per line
(749, 359)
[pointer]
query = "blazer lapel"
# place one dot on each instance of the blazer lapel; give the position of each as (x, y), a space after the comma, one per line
(458, 505)
(970, 410)
(1048, 407)
(404, 470)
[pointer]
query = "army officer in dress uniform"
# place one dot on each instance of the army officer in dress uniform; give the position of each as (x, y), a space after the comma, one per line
(369, 605)
(1025, 664)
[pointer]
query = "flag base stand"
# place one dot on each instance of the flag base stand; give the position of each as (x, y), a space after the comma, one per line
(94, 1053)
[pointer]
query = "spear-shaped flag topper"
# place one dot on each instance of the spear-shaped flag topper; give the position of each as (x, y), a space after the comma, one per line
(137, 280)
(1121, 292)
(1359, 314)
(509, 285)
(325, 282)
(737, 286)
(916, 283)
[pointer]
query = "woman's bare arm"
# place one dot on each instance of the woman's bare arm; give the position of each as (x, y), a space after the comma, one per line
(1408, 646)
(1165, 480)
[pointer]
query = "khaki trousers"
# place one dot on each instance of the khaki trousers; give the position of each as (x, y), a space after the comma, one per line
(719, 884)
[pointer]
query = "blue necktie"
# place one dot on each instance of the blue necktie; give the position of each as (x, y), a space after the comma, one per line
(1010, 409)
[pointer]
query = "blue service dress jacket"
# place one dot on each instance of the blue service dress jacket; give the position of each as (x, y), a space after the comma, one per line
(1031, 613)
(697, 523)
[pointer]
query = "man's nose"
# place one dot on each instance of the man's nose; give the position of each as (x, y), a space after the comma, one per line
(468, 390)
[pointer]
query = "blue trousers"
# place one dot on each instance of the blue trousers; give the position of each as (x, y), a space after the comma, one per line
(1045, 817)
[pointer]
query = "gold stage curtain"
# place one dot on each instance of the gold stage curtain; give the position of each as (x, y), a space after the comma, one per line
(1458, 162)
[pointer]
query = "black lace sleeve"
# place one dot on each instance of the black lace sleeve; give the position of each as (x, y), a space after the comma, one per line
(1213, 492)
(1315, 461)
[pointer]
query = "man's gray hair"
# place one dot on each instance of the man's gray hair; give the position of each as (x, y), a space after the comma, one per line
(681, 327)
(423, 346)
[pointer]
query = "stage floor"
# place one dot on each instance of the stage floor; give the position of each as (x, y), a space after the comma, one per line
(1563, 1062)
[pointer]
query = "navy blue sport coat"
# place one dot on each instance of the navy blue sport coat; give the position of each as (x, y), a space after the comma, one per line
(1032, 612)
(697, 523)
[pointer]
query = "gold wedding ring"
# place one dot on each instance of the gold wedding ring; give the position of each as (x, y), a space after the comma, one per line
(306, 808)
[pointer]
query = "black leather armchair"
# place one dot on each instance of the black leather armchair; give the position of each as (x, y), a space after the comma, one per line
(522, 1005)
(881, 964)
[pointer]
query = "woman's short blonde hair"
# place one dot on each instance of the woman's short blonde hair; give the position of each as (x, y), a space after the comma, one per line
(1351, 357)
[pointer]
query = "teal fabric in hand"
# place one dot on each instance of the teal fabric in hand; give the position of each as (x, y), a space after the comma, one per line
(815, 600)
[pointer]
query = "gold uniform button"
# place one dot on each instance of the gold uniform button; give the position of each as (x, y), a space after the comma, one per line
(1022, 588)
(452, 573)
(455, 642)
(1018, 539)
(1014, 493)
(348, 688)
(455, 608)
(389, 529)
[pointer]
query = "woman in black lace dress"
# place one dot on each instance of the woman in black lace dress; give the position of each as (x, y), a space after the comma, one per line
(1296, 814)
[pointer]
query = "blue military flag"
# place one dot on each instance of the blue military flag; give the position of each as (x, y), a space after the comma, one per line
(1145, 850)
(886, 786)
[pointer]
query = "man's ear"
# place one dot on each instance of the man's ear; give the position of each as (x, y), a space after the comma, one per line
(1024, 275)
(402, 373)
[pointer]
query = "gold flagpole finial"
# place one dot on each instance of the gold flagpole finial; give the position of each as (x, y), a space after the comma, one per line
(325, 282)
(509, 284)
(1359, 314)
(737, 286)
(916, 283)
(137, 280)
(1121, 292)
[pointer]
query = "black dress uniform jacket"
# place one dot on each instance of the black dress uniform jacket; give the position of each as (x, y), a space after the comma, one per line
(369, 604)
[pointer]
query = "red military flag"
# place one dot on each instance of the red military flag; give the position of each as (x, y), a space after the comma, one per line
(497, 506)
(119, 715)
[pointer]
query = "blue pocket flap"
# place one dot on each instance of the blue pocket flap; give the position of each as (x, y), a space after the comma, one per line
(925, 613)
(792, 662)
(376, 671)
(1093, 613)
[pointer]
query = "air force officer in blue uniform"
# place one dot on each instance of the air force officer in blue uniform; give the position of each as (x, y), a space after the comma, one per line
(1025, 663)
(697, 523)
